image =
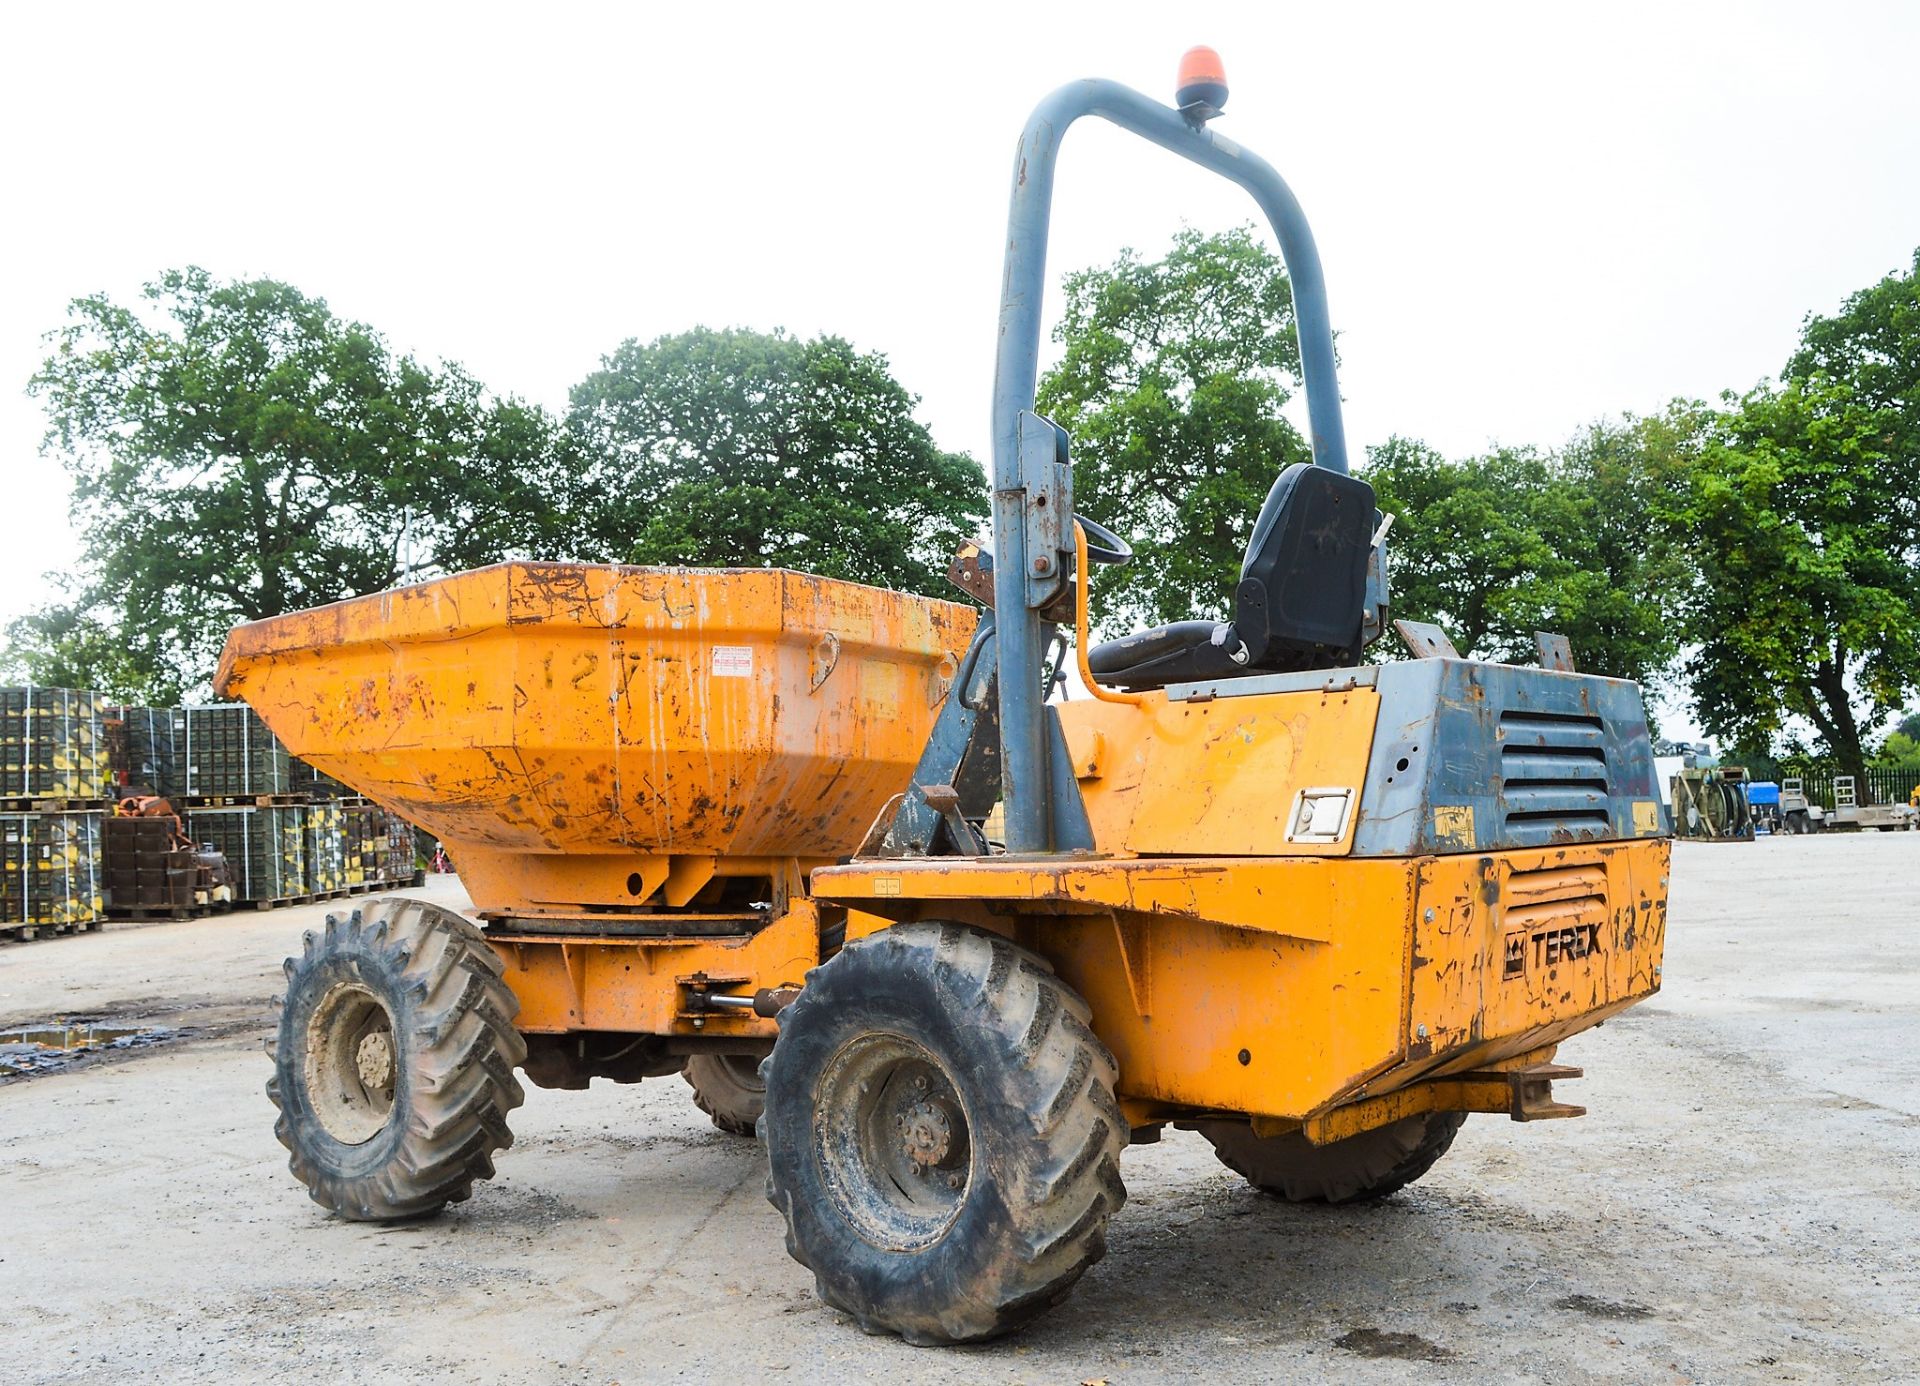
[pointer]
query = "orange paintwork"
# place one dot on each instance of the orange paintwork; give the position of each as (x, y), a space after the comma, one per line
(639, 984)
(1323, 973)
(1198, 934)
(593, 738)
(1215, 778)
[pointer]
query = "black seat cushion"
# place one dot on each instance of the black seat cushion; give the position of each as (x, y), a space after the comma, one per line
(1300, 602)
(1162, 644)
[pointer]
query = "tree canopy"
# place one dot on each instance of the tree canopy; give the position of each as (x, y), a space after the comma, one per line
(1803, 599)
(1802, 516)
(238, 451)
(749, 449)
(1171, 383)
(1497, 547)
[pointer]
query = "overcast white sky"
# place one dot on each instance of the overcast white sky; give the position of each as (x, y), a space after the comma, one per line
(1530, 215)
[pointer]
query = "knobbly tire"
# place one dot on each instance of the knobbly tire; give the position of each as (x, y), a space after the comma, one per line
(942, 1134)
(728, 1088)
(1360, 1169)
(393, 1064)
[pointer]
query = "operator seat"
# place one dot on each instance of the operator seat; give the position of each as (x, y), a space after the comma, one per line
(1300, 602)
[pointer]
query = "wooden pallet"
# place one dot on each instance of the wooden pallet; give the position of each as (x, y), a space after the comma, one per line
(140, 912)
(34, 804)
(190, 802)
(278, 902)
(24, 933)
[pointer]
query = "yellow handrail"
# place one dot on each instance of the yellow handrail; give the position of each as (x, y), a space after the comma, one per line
(1080, 583)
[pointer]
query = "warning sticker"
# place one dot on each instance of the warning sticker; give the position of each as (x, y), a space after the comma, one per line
(733, 661)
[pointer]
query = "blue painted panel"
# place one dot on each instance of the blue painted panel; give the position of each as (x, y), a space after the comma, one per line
(1475, 757)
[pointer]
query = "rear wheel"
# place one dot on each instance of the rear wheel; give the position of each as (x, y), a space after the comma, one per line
(393, 1064)
(942, 1134)
(1359, 1169)
(728, 1088)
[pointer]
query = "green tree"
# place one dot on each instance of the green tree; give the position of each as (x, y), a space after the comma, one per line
(1171, 384)
(744, 449)
(64, 645)
(1495, 548)
(238, 451)
(1872, 345)
(1900, 751)
(1803, 511)
(1805, 603)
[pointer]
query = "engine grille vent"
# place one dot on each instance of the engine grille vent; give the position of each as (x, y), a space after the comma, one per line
(1553, 778)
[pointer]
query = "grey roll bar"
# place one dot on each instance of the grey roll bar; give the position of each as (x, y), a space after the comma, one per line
(1023, 733)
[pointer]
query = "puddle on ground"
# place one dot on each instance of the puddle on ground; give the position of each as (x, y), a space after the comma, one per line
(42, 1048)
(1408, 1347)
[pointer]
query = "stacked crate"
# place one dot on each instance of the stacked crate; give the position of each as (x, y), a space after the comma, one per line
(397, 854)
(226, 751)
(142, 740)
(314, 784)
(362, 829)
(53, 745)
(50, 872)
(148, 871)
(325, 849)
(266, 849)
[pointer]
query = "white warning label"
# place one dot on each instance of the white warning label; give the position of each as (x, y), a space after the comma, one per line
(733, 661)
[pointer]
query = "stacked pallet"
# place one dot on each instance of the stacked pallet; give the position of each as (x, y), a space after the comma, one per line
(50, 872)
(53, 749)
(226, 752)
(326, 849)
(141, 749)
(150, 873)
(266, 849)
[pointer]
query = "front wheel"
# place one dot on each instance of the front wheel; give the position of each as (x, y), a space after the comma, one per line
(1359, 1169)
(393, 1064)
(942, 1134)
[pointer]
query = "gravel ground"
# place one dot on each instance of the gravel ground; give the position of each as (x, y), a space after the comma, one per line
(1742, 1204)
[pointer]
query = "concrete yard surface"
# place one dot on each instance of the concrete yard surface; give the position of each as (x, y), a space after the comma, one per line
(1741, 1204)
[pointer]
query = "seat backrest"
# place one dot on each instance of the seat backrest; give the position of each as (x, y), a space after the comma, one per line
(1302, 592)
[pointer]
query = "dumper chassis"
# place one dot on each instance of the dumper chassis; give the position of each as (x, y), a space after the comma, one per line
(736, 825)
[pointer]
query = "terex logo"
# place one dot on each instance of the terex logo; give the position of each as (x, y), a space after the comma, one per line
(1549, 946)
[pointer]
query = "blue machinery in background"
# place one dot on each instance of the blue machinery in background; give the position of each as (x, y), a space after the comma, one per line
(1032, 486)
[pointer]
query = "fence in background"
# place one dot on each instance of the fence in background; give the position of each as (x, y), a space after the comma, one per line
(1880, 786)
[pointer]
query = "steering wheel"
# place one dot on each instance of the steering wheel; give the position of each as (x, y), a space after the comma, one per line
(1103, 545)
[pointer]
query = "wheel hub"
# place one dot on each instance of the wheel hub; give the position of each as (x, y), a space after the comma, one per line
(926, 1134)
(374, 1058)
(892, 1131)
(351, 1063)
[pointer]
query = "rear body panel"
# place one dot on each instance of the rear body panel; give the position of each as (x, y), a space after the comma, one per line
(1498, 883)
(1282, 988)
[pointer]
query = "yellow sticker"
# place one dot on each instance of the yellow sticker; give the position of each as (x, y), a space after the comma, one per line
(1454, 823)
(886, 885)
(1646, 817)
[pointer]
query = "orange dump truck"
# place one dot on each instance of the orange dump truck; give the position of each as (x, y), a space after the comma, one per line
(949, 943)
